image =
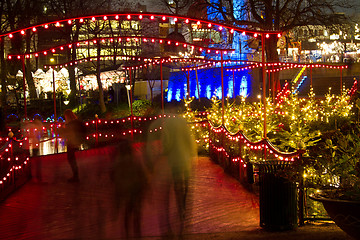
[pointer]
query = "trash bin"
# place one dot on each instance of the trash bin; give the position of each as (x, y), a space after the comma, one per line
(278, 198)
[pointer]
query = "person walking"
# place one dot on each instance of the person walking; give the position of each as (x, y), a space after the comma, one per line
(74, 133)
(171, 148)
(35, 133)
(130, 179)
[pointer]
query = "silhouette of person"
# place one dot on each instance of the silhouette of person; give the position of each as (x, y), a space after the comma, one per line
(111, 93)
(177, 147)
(74, 132)
(130, 180)
(35, 133)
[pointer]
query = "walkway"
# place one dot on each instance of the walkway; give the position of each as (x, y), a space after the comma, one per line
(219, 207)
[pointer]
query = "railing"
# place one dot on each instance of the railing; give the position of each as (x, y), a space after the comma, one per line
(14, 165)
(234, 152)
(241, 158)
(99, 132)
(15, 151)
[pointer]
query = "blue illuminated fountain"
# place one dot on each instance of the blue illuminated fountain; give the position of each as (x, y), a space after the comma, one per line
(209, 84)
(209, 80)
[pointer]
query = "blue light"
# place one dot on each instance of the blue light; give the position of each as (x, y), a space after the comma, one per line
(37, 115)
(239, 41)
(169, 96)
(300, 84)
(197, 91)
(208, 92)
(12, 115)
(60, 119)
(209, 84)
(244, 91)
(218, 93)
(178, 96)
(231, 88)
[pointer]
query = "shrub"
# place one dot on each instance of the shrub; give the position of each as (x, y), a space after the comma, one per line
(142, 107)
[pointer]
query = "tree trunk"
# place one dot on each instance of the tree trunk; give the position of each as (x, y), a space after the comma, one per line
(272, 56)
(28, 75)
(271, 49)
(3, 74)
(151, 86)
(71, 57)
(133, 83)
(72, 78)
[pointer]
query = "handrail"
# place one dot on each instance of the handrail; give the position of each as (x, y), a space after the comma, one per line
(259, 145)
(95, 125)
(14, 167)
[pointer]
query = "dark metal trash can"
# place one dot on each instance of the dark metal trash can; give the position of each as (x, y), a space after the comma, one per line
(278, 198)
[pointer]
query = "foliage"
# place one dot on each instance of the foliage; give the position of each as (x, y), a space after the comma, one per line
(142, 107)
(215, 112)
(189, 114)
(329, 131)
(336, 161)
(294, 129)
(87, 111)
(278, 15)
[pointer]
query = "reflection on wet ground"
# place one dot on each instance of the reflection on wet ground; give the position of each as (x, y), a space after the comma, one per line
(56, 209)
(52, 145)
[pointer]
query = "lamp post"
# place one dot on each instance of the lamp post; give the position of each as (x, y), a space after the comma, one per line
(24, 85)
(341, 80)
(128, 87)
(233, 75)
(161, 82)
(78, 78)
(263, 79)
(222, 89)
(54, 95)
(188, 84)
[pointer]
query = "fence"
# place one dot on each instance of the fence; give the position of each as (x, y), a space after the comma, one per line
(234, 152)
(244, 160)
(14, 165)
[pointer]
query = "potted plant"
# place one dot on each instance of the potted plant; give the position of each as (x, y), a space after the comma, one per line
(336, 163)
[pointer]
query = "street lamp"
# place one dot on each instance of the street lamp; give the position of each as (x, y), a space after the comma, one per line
(128, 88)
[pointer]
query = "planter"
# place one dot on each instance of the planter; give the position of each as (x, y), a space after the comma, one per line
(345, 214)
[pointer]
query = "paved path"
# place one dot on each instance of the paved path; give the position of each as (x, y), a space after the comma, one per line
(219, 207)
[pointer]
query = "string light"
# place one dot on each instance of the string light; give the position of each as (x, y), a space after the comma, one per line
(199, 22)
(128, 38)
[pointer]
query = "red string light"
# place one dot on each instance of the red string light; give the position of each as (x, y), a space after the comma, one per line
(261, 145)
(128, 38)
(151, 16)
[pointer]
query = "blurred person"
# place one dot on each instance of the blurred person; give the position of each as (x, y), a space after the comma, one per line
(172, 147)
(130, 183)
(74, 133)
(34, 133)
(111, 94)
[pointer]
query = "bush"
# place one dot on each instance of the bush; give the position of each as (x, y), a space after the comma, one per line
(142, 107)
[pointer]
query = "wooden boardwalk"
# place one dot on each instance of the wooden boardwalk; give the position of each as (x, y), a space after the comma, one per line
(56, 209)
